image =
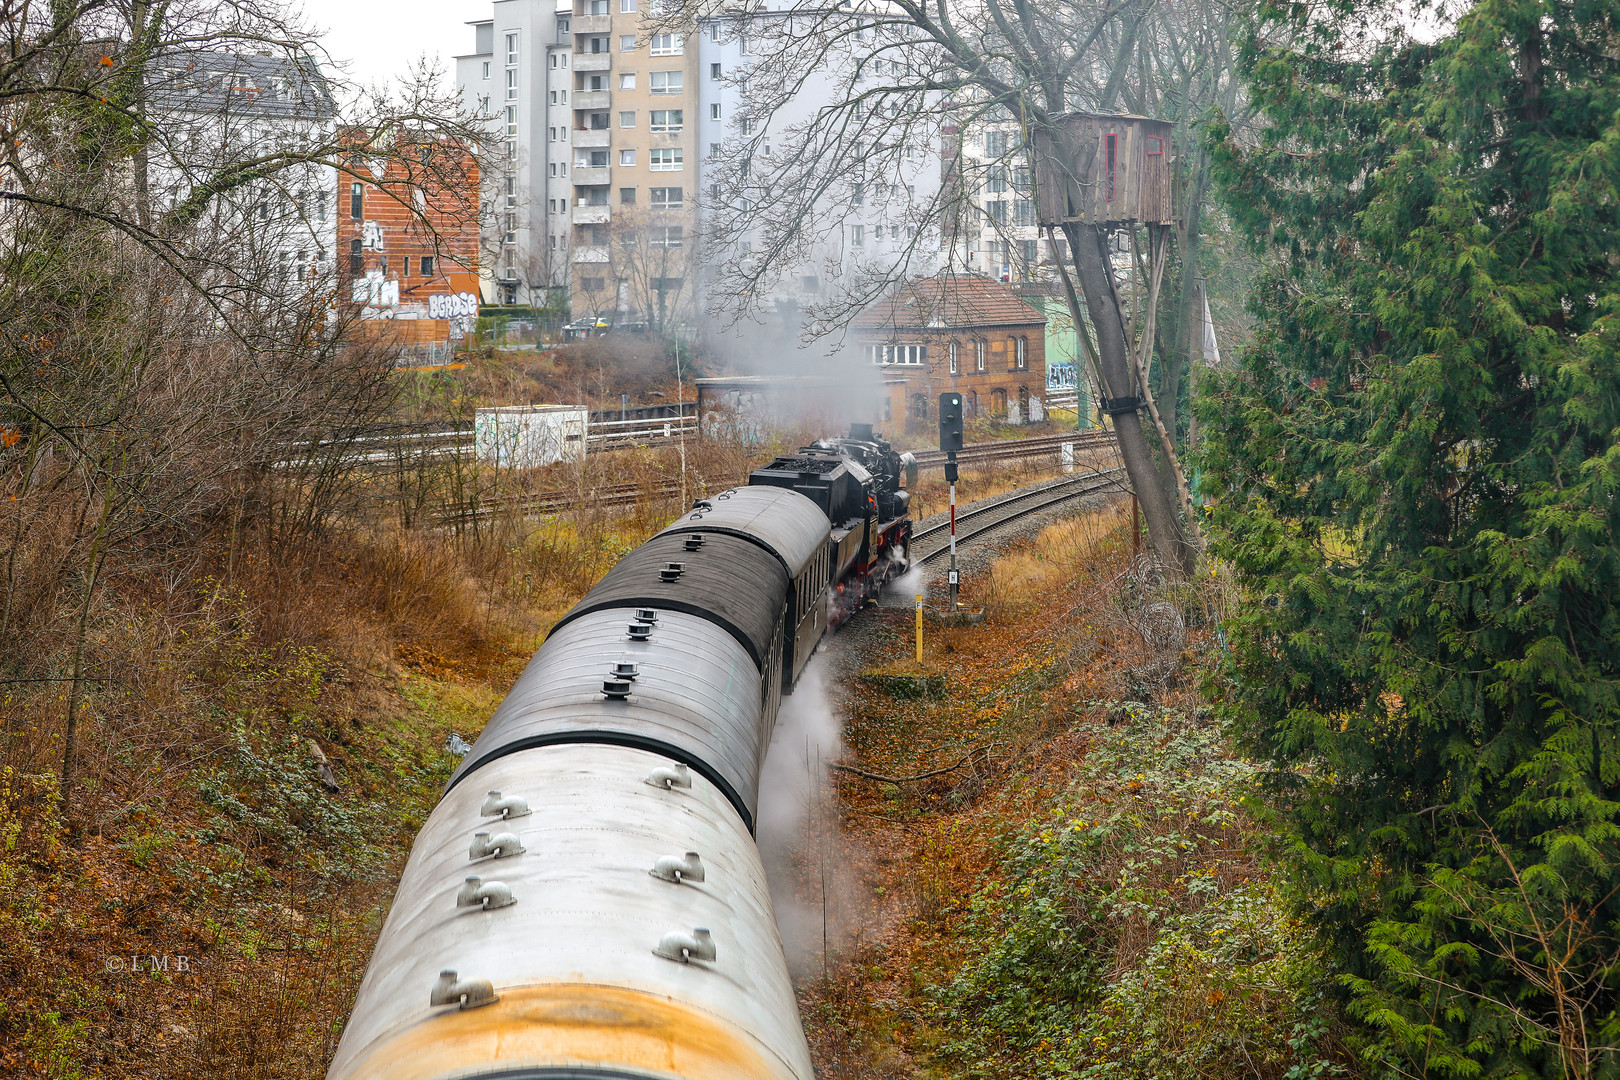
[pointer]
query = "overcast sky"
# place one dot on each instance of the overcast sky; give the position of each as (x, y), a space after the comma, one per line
(378, 39)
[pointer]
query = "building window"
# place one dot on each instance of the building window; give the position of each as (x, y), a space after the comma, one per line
(427, 266)
(996, 211)
(627, 196)
(593, 284)
(562, 26)
(483, 104)
(627, 157)
(666, 45)
(956, 365)
(627, 119)
(998, 181)
(666, 198)
(627, 43)
(511, 84)
(995, 143)
(666, 159)
(714, 111)
(667, 82)
(666, 236)
(511, 121)
(320, 206)
(511, 50)
(670, 120)
(626, 6)
(357, 201)
(1021, 352)
(857, 235)
(1023, 212)
(357, 259)
(978, 356)
(1110, 153)
(486, 69)
(405, 266)
(597, 160)
(1155, 145)
(627, 80)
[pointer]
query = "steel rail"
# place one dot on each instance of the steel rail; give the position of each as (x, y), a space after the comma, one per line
(1074, 488)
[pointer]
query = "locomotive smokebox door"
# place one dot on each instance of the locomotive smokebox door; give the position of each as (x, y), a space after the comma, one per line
(950, 421)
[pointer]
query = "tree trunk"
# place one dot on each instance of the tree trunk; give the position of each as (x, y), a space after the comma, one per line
(76, 688)
(1089, 246)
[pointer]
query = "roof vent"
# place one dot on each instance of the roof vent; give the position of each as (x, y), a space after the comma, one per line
(672, 571)
(616, 689)
(694, 541)
(684, 948)
(640, 631)
(624, 669)
(646, 615)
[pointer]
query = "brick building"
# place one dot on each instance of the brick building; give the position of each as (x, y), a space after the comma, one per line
(407, 237)
(956, 332)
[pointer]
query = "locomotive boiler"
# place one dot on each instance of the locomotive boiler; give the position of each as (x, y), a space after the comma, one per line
(586, 900)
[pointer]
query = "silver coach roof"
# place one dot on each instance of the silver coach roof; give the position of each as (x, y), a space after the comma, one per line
(573, 956)
(792, 526)
(696, 691)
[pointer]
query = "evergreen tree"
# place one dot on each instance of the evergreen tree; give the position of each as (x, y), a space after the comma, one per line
(1415, 467)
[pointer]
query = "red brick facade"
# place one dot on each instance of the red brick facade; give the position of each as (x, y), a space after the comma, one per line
(407, 232)
(956, 332)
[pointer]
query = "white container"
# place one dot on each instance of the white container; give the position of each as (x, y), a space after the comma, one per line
(525, 436)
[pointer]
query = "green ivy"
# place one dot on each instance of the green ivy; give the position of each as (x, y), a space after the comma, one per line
(1122, 941)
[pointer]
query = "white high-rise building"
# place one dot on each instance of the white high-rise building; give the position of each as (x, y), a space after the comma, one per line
(519, 76)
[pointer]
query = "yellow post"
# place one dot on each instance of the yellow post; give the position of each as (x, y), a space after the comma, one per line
(919, 628)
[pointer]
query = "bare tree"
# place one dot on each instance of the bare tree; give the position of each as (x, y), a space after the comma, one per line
(844, 104)
(171, 316)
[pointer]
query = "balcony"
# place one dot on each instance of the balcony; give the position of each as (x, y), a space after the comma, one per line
(592, 24)
(590, 215)
(590, 254)
(593, 61)
(592, 99)
(586, 176)
(594, 138)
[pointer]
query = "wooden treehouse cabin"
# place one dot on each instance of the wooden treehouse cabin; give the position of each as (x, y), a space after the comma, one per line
(1104, 170)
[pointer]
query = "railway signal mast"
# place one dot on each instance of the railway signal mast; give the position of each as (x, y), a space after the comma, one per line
(950, 441)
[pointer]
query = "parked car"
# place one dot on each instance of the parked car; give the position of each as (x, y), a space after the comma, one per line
(583, 328)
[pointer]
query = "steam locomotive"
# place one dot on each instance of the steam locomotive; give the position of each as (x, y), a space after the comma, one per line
(586, 900)
(860, 483)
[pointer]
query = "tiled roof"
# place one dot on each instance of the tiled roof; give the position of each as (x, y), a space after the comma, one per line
(949, 301)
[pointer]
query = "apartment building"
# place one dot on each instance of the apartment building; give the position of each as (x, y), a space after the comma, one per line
(218, 107)
(519, 77)
(869, 220)
(408, 232)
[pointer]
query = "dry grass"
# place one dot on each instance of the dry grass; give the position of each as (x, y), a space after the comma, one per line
(1017, 717)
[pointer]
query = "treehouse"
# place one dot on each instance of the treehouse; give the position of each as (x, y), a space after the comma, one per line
(1105, 170)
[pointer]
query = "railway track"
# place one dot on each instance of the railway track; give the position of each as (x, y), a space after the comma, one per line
(550, 502)
(996, 513)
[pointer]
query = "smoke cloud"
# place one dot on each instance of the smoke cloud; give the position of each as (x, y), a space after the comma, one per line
(798, 823)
